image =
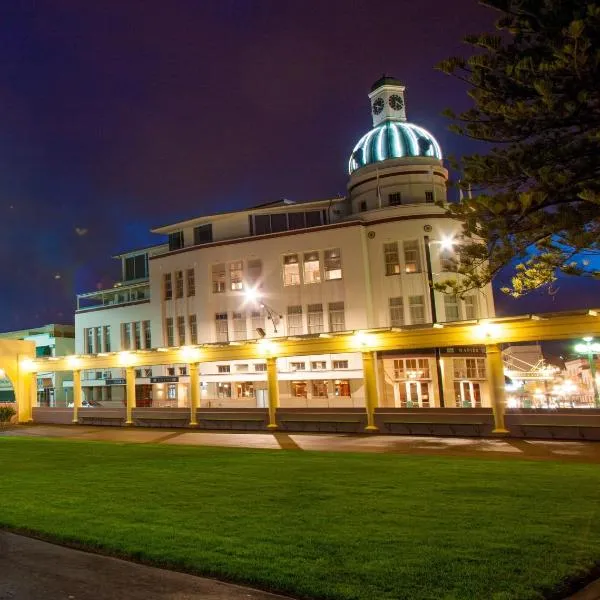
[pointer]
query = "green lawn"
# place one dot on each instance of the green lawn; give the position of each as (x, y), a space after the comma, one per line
(320, 525)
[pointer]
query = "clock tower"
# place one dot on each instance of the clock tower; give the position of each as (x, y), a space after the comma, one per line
(387, 100)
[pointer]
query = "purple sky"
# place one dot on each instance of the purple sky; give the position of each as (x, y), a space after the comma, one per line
(119, 115)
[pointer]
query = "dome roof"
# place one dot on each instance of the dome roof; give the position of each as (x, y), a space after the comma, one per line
(393, 139)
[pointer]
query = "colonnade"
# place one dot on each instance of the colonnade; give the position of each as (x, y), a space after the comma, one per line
(495, 372)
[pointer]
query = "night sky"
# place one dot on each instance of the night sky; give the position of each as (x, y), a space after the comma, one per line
(116, 116)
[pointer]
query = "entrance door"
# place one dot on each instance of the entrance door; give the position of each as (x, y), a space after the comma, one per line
(262, 398)
(413, 394)
(468, 393)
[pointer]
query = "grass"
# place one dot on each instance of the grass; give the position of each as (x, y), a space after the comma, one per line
(320, 525)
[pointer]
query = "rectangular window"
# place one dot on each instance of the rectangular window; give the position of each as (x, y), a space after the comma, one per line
(176, 240)
(126, 336)
(98, 339)
(218, 279)
(239, 326)
(337, 316)
(257, 321)
(319, 389)
(391, 258)
(168, 286)
(254, 273)
(193, 329)
(148, 372)
(224, 368)
(429, 196)
(147, 334)
(183, 371)
(469, 368)
(137, 335)
(396, 311)
(245, 389)
(260, 367)
(297, 220)
(136, 267)
(318, 365)
(416, 308)
(451, 307)
(223, 390)
(242, 368)
(471, 311)
(340, 364)
(333, 264)
(313, 218)
(363, 206)
(236, 275)
(203, 234)
(411, 369)
(298, 389)
(172, 391)
(298, 366)
(341, 388)
(138, 373)
(191, 282)
(170, 331)
(221, 327)
(262, 224)
(179, 284)
(312, 268)
(412, 264)
(181, 330)
(106, 338)
(89, 340)
(278, 222)
(295, 325)
(170, 371)
(315, 318)
(291, 270)
(395, 199)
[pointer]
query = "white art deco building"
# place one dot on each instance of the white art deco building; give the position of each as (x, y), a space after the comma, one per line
(302, 269)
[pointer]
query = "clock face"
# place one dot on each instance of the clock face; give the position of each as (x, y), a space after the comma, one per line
(378, 106)
(396, 102)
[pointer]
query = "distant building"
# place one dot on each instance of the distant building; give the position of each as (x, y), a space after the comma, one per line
(282, 268)
(50, 340)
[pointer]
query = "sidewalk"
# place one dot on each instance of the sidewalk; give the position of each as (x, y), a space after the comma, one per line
(578, 451)
(36, 570)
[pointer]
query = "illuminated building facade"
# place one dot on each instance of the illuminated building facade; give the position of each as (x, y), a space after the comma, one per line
(287, 269)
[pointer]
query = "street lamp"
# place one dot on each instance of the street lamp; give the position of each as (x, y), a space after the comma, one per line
(447, 244)
(590, 348)
(254, 295)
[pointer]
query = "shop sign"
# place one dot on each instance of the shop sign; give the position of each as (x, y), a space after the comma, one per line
(166, 379)
(115, 381)
(463, 351)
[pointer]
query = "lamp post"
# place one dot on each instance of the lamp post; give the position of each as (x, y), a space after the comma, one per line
(253, 295)
(590, 348)
(446, 244)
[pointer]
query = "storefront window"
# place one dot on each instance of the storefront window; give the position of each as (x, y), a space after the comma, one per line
(319, 389)
(223, 390)
(298, 389)
(342, 388)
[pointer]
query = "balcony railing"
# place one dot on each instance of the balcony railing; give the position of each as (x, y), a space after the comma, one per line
(120, 294)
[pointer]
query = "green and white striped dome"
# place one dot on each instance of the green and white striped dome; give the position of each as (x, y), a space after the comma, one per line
(393, 139)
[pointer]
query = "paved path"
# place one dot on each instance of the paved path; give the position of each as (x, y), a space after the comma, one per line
(34, 570)
(578, 451)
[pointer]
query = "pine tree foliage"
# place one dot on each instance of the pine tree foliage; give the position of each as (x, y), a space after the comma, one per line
(536, 99)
